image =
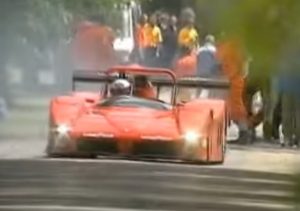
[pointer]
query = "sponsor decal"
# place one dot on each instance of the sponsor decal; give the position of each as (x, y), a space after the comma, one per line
(161, 138)
(98, 135)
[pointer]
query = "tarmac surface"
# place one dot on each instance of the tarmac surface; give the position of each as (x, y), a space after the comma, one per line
(252, 178)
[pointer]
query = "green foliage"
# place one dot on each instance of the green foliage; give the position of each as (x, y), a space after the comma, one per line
(33, 32)
(267, 28)
(85, 8)
(43, 25)
(172, 6)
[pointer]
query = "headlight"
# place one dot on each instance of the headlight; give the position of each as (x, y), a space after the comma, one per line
(192, 138)
(63, 129)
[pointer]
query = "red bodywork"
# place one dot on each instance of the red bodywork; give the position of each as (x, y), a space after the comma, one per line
(194, 131)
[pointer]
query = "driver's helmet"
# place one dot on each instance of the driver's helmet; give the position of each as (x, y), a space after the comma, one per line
(120, 87)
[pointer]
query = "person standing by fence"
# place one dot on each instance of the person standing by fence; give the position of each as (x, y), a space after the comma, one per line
(233, 59)
(153, 40)
(207, 62)
(168, 28)
(289, 87)
(139, 39)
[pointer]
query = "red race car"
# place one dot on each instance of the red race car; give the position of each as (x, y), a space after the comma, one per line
(96, 123)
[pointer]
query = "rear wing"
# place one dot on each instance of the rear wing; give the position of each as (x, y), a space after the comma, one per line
(218, 83)
(101, 77)
(159, 82)
(119, 71)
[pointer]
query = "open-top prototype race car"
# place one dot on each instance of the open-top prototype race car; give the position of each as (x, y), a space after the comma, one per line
(94, 123)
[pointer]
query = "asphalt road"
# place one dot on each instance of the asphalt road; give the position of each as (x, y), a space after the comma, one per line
(251, 179)
(130, 185)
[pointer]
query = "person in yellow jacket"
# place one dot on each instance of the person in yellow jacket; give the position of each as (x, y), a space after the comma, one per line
(152, 42)
(185, 63)
(187, 40)
(188, 36)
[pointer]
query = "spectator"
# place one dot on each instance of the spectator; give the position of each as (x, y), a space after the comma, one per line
(187, 42)
(232, 57)
(207, 62)
(273, 111)
(92, 46)
(169, 45)
(289, 82)
(153, 40)
(174, 23)
(188, 36)
(140, 38)
(186, 65)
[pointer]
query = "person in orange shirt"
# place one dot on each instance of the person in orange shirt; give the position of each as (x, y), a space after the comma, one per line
(186, 65)
(233, 60)
(92, 46)
(139, 39)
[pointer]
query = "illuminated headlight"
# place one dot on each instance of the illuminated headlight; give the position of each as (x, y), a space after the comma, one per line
(61, 136)
(192, 138)
(63, 129)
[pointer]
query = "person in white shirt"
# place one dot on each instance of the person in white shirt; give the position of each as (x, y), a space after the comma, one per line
(207, 62)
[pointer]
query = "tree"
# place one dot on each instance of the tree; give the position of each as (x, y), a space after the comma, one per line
(32, 30)
(266, 28)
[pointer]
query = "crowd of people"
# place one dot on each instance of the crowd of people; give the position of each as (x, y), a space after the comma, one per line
(163, 40)
(167, 41)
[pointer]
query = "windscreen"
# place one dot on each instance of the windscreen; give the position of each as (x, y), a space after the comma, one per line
(134, 102)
